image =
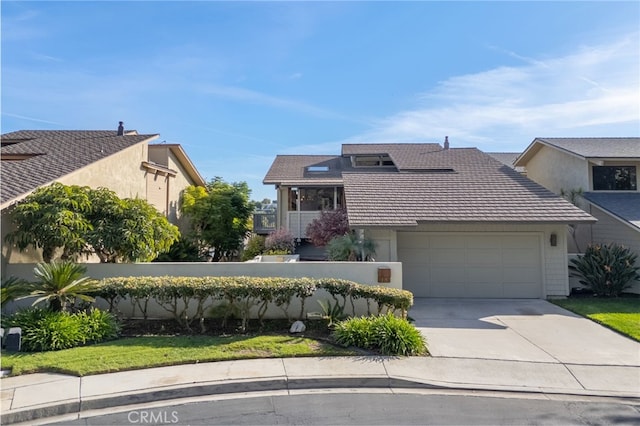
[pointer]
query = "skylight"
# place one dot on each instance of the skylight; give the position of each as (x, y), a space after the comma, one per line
(318, 168)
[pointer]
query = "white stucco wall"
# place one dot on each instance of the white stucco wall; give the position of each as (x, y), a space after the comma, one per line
(360, 272)
(555, 269)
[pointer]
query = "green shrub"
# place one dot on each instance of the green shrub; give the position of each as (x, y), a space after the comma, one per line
(46, 330)
(606, 269)
(386, 334)
(255, 247)
(251, 295)
(97, 325)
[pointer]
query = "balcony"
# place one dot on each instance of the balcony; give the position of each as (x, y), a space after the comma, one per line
(297, 222)
(264, 223)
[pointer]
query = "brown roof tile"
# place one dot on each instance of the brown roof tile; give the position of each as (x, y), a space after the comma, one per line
(53, 154)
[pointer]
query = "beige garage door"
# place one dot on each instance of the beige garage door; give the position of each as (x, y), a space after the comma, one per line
(496, 265)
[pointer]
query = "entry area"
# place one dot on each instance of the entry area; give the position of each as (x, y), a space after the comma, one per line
(471, 265)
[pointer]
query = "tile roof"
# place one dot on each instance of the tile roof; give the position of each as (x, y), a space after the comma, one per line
(587, 147)
(433, 184)
(292, 170)
(481, 189)
(52, 154)
(624, 205)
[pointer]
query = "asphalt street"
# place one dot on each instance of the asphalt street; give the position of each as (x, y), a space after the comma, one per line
(323, 408)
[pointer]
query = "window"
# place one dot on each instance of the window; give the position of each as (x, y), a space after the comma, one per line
(614, 178)
(371, 161)
(316, 199)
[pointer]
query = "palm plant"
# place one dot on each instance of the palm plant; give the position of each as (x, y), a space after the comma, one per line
(13, 288)
(60, 284)
(351, 248)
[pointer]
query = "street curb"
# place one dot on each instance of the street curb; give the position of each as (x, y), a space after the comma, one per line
(249, 386)
(198, 390)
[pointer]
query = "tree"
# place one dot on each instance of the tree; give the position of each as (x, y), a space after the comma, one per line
(219, 216)
(330, 224)
(53, 217)
(81, 221)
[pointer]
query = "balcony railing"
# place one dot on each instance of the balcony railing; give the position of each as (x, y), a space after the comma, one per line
(297, 222)
(264, 223)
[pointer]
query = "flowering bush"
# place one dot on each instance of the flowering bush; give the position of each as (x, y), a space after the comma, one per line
(330, 224)
(280, 242)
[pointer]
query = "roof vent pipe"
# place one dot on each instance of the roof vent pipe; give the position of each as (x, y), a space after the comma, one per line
(121, 129)
(446, 142)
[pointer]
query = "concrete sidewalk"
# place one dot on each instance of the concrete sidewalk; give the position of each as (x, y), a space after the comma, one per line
(37, 396)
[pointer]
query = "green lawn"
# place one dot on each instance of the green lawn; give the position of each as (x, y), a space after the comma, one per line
(621, 314)
(155, 351)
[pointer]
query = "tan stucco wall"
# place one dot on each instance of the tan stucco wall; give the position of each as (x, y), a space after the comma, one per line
(556, 170)
(121, 173)
(555, 273)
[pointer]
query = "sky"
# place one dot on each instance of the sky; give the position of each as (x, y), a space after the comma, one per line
(237, 83)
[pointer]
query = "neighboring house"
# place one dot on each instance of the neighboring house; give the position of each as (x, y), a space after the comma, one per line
(123, 161)
(606, 169)
(462, 223)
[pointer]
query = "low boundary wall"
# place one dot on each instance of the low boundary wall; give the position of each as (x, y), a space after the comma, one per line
(366, 273)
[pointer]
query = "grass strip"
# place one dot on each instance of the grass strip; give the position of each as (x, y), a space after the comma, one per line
(620, 314)
(133, 353)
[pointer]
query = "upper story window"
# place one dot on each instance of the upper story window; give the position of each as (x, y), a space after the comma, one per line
(371, 160)
(614, 178)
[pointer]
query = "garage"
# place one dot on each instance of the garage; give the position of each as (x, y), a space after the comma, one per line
(471, 265)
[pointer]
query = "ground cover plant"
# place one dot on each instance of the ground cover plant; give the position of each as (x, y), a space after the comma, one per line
(621, 314)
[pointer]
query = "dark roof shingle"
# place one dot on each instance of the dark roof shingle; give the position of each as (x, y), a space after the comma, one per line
(52, 154)
(625, 205)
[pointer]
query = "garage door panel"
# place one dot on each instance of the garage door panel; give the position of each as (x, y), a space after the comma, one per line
(484, 242)
(449, 241)
(471, 265)
(485, 275)
(484, 257)
(448, 256)
(448, 275)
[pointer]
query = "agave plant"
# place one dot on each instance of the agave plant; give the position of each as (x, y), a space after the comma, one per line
(60, 284)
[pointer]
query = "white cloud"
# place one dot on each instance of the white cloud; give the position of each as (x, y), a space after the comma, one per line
(594, 89)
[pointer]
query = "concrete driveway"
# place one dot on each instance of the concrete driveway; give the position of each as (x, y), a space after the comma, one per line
(518, 330)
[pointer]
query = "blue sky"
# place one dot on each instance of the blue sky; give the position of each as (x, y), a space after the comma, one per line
(237, 83)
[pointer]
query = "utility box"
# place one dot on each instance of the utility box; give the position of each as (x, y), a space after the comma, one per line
(13, 342)
(384, 275)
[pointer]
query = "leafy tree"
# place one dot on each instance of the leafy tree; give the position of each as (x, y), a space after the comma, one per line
(254, 247)
(183, 250)
(330, 224)
(128, 229)
(53, 217)
(82, 221)
(219, 216)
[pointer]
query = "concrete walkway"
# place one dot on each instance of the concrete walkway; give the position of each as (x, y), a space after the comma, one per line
(492, 362)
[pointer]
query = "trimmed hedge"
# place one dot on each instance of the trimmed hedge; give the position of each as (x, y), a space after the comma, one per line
(179, 295)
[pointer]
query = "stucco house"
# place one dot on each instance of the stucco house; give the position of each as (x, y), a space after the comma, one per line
(462, 223)
(123, 161)
(606, 170)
